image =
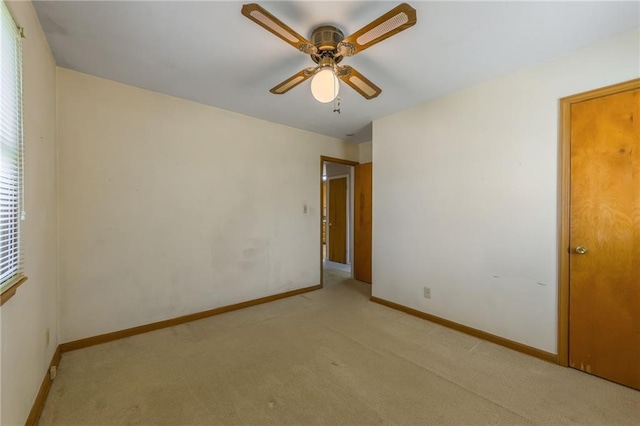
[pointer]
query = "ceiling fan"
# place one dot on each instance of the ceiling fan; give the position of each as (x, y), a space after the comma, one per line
(328, 46)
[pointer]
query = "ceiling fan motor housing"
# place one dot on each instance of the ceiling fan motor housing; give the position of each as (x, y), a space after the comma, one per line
(326, 38)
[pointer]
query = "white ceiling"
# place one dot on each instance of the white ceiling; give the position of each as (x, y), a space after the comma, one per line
(209, 53)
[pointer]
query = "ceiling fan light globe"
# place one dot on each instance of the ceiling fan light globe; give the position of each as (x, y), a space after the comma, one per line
(325, 86)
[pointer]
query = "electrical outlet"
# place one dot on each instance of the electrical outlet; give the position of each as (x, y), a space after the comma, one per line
(427, 293)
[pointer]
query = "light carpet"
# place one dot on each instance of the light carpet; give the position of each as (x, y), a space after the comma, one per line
(329, 357)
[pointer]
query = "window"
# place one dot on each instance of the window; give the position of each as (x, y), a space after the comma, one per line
(11, 152)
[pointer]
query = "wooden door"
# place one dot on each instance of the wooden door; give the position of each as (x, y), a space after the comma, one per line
(362, 223)
(604, 260)
(337, 220)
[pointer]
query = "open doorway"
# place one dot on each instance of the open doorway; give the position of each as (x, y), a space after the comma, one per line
(337, 177)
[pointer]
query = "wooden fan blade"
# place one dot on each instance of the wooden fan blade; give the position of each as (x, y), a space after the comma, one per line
(397, 19)
(292, 81)
(358, 82)
(272, 24)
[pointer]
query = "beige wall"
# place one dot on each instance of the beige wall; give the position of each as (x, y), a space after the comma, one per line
(34, 309)
(365, 152)
(168, 207)
(352, 151)
(465, 196)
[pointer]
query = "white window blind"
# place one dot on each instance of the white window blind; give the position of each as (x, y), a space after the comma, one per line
(11, 151)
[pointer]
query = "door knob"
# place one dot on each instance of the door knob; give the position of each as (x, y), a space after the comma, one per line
(581, 250)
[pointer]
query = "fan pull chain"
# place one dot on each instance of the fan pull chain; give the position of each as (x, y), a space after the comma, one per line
(336, 105)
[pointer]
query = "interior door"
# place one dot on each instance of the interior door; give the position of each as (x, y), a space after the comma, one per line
(337, 220)
(362, 222)
(604, 261)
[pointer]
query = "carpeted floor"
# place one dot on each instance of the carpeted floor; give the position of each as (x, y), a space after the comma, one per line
(329, 357)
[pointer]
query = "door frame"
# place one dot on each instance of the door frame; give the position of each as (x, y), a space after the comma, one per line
(564, 202)
(324, 158)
